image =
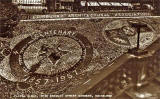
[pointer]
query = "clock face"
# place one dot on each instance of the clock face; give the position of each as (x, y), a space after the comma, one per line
(53, 55)
(50, 58)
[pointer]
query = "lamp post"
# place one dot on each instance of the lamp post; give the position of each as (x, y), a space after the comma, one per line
(138, 27)
(140, 58)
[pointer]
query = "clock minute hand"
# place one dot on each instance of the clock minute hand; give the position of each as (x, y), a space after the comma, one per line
(35, 66)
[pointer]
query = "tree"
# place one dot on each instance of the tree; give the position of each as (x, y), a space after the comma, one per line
(9, 18)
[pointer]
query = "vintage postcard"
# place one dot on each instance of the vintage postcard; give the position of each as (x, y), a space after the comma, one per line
(80, 49)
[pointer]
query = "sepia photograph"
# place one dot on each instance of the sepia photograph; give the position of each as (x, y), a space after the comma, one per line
(79, 49)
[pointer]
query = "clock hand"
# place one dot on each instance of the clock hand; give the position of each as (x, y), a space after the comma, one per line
(35, 66)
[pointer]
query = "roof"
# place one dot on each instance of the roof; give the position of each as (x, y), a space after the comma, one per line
(129, 1)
